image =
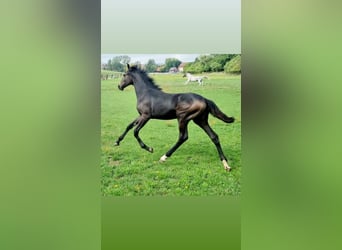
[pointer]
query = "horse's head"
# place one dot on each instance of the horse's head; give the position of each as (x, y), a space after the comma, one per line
(127, 79)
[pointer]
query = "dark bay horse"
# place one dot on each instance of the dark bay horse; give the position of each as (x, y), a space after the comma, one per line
(153, 103)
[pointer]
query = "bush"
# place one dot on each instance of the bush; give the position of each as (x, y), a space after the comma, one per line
(216, 67)
(234, 65)
(193, 68)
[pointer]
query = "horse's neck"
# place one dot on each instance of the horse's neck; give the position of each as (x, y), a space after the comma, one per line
(140, 87)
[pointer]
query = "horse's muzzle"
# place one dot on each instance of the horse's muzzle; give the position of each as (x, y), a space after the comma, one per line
(119, 87)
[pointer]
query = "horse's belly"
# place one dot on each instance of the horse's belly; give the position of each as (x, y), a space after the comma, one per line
(168, 115)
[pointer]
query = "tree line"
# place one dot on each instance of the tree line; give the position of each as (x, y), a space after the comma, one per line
(229, 63)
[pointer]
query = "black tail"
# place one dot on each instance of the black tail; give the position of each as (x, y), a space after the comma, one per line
(215, 111)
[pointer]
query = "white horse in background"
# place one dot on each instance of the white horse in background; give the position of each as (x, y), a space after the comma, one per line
(192, 78)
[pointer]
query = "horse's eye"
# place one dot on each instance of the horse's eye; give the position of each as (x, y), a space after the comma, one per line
(124, 75)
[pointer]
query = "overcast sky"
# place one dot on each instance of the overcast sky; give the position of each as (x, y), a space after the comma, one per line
(158, 58)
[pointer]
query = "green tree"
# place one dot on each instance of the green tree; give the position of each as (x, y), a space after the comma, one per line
(209, 63)
(163, 68)
(194, 67)
(108, 65)
(171, 62)
(151, 65)
(118, 63)
(234, 65)
(216, 67)
(222, 58)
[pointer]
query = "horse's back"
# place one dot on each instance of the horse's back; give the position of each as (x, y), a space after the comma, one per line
(167, 106)
(190, 105)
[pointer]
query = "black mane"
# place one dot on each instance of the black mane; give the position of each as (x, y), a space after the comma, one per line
(144, 76)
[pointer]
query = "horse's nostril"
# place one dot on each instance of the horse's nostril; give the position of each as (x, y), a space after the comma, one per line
(119, 87)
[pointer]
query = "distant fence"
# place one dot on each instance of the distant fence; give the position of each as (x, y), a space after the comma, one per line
(110, 75)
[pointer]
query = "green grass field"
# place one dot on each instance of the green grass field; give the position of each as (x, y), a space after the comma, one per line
(195, 168)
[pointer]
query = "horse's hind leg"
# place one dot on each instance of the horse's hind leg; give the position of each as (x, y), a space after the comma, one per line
(141, 121)
(129, 127)
(203, 123)
(183, 136)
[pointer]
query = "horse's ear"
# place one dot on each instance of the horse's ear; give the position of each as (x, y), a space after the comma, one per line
(127, 66)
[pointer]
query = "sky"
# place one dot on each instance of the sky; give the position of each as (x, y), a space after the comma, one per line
(158, 58)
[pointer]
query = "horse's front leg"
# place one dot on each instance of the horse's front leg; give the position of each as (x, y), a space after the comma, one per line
(129, 127)
(141, 121)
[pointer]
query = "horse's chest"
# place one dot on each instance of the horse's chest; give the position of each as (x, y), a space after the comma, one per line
(144, 107)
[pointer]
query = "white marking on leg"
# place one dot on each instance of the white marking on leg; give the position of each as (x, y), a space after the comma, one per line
(163, 158)
(225, 165)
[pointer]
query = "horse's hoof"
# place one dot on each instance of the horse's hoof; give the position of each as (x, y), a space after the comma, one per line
(116, 144)
(163, 159)
(226, 166)
(150, 150)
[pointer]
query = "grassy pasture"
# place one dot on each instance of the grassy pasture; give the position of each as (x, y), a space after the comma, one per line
(195, 168)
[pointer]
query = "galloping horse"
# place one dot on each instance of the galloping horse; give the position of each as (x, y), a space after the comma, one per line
(192, 78)
(153, 103)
